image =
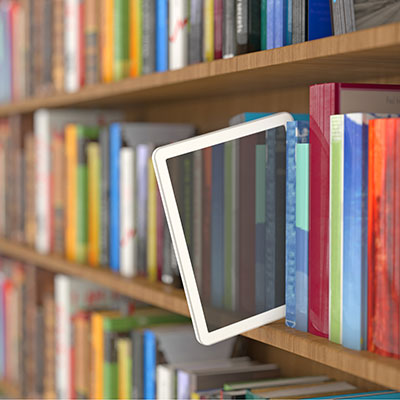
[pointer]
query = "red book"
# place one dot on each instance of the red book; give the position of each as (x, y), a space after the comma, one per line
(326, 100)
(206, 251)
(218, 26)
(383, 236)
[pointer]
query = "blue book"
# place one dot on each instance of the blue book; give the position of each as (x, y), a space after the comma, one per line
(302, 228)
(270, 24)
(319, 19)
(281, 23)
(149, 365)
(5, 53)
(161, 35)
(217, 226)
(260, 224)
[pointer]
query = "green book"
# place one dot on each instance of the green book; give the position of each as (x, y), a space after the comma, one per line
(263, 24)
(336, 223)
(121, 39)
(85, 134)
(116, 327)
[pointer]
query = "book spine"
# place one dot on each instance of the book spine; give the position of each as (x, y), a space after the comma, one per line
(336, 227)
(260, 213)
(30, 191)
(218, 28)
(319, 19)
(92, 48)
(165, 382)
(290, 222)
(149, 365)
(71, 45)
(229, 29)
(136, 37)
(148, 36)
(263, 27)
(151, 223)
(137, 364)
(105, 195)
(208, 30)
(124, 361)
(162, 35)
(289, 22)
(121, 39)
(302, 227)
(355, 202)
(242, 26)
(43, 217)
(47, 81)
(94, 227)
(107, 39)
(161, 222)
(217, 226)
(110, 388)
(127, 212)
(279, 22)
(270, 24)
(254, 25)
(115, 146)
(178, 34)
(196, 32)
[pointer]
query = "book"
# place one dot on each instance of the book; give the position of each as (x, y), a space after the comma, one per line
(229, 29)
(128, 238)
(334, 98)
(107, 39)
(280, 23)
(124, 360)
(302, 228)
(72, 295)
(132, 134)
(151, 239)
(218, 28)
(208, 30)
(178, 34)
(104, 142)
(137, 363)
(299, 21)
(5, 65)
(248, 26)
(148, 36)
(136, 37)
(92, 42)
(120, 37)
(162, 35)
(270, 24)
(196, 32)
(319, 19)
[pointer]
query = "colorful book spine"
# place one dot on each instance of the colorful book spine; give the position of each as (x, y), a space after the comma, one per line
(289, 22)
(336, 228)
(208, 30)
(217, 226)
(92, 41)
(196, 32)
(104, 141)
(178, 33)
(319, 19)
(270, 24)
(280, 23)
(218, 28)
(242, 26)
(124, 361)
(302, 228)
(162, 35)
(254, 21)
(94, 194)
(107, 39)
(128, 240)
(229, 29)
(151, 223)
(149, 364)
(263, 27)
(120, 25)
(148, 36)
(136, 37)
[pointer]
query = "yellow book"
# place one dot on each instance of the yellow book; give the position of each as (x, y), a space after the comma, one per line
(152, 224)
(107, 40)
(136, 38)
(124, 368)
(71, 193)
(209, 30)
(97, 361)
(93, 157)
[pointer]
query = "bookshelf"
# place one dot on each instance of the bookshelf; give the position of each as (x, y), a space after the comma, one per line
(207, 95)
(368, 366)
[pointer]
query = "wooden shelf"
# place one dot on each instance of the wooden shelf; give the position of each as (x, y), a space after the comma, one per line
(380, 370)
(371, 54)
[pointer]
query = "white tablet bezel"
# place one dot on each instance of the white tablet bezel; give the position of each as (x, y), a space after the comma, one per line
(160, 157)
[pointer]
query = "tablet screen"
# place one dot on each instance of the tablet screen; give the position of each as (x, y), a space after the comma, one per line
(231, 202)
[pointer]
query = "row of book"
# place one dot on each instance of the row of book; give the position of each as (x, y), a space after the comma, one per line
(68, 338)
(341, 265)
(62, 45)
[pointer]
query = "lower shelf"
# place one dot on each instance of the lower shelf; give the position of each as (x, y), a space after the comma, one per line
(372, 367)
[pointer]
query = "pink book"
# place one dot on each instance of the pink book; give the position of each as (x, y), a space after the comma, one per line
(325, 100)
(218, 17)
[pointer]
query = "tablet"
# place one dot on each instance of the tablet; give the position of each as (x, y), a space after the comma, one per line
(224, 198)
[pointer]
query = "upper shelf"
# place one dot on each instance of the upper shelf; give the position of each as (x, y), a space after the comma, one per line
(372, 367)
(358, 56)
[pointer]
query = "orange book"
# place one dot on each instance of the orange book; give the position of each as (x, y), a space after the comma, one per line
(107, 39)
(136, 38)
(71, 186)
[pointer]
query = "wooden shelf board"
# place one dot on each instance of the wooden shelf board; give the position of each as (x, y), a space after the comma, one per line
(364, 55)
(372, 367)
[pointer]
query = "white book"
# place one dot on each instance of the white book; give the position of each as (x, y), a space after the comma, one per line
(72, 295)
(128, 239)
(72, 47)
(45, 123)
(165, 378)
(178, 33)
